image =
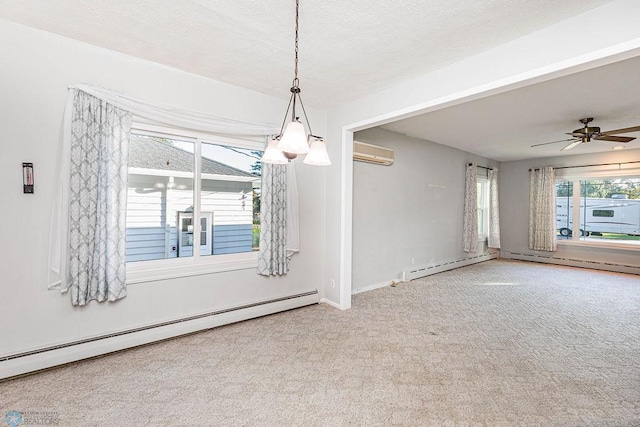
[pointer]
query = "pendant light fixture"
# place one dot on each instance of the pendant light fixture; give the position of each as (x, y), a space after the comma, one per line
(295, 140)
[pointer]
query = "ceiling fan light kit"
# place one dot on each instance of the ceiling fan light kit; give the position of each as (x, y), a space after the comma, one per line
(587, 133)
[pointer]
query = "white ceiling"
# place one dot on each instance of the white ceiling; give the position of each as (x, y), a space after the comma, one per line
(503, 127)
(349, 49)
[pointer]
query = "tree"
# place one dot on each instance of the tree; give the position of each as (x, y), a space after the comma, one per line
(602, 188)
(256, 168)
(256, 206)
(564, 189)
(597, 188)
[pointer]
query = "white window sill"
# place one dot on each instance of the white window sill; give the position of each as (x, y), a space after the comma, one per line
(600, 244)
(163, 269)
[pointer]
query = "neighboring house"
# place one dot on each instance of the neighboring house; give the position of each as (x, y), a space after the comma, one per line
(160, 203)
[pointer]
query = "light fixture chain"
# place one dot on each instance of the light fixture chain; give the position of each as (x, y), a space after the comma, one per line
(293, 139)
(305, 114)
(296, 50)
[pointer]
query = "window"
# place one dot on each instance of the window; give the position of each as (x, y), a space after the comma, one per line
(160, 192)
(483, 207)
(191, 198)
(603, 213)
(608, 210)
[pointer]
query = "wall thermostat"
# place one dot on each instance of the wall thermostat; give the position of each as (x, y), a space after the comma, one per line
(27, 178)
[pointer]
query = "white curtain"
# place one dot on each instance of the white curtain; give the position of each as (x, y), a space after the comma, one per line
(293, 215)
(97, 200)
(58, 277)
(542, 209)
(470, 224)
(176, 116)
(273, 259)
(494, 208)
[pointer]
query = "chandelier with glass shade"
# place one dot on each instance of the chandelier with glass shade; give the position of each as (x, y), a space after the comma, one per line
(293, 139)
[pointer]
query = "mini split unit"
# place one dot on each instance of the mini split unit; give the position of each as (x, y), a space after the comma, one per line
(363, 152)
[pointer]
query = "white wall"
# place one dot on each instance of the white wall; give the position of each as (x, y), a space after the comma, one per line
(412, 209)
(597, 37)
(36, 69)
(514, 204)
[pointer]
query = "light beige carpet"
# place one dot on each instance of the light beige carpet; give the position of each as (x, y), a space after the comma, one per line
(501, 343)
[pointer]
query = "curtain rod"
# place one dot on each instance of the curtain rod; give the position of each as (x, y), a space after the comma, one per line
(589, 166)
(483, 167)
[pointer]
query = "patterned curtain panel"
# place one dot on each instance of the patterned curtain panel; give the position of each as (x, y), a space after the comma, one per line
(494, 207)
(470, 225)
(542, 209)
(273, 258)
(97, 200)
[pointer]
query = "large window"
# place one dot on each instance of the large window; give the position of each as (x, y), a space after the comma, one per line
(483, 207)
(191, 198)
(599, 210)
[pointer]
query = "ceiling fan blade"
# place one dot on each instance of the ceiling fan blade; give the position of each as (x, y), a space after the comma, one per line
(614, 138)
(625, 130)
(570, 146)
(553, 142)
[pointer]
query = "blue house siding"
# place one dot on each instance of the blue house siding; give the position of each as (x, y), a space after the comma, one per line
(228, 239)
(145, 243)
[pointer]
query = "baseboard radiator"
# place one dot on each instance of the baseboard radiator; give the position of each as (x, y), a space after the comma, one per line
(439, 267)
(43, 358)
(571, 262)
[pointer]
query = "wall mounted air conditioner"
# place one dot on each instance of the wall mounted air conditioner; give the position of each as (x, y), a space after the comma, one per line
(363, 152)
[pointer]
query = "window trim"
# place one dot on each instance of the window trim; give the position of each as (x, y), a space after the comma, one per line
(191, 136)
(196, 265)
(173, 268)
(484, 182)
(600, 244)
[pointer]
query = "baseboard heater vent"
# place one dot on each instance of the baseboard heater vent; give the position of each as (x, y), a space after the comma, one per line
(427, 270)
(46, 357)
(572, 262)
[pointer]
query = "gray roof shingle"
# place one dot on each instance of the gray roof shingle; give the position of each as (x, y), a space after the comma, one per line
(148, 153)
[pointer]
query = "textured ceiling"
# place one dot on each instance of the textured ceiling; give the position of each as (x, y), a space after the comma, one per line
(503, 127)
(348, 49)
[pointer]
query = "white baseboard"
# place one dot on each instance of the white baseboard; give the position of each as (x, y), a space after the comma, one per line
(374, 286)
(331, 303)
(439, 267)
(20, 364)
(427, 270)
(571, 262)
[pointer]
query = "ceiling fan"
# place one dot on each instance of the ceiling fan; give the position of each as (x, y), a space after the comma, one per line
(587, 133)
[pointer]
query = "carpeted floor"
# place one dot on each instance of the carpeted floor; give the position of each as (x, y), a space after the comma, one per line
(501, 343)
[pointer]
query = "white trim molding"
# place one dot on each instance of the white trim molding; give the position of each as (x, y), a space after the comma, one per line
(18, 364)
(550, 258)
